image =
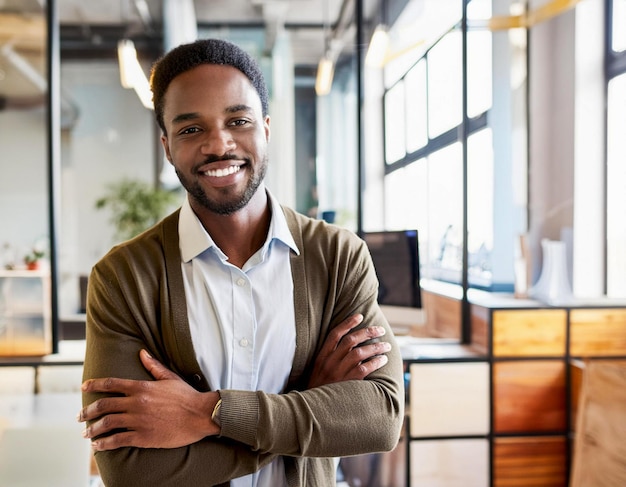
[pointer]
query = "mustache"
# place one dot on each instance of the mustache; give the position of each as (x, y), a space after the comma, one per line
(215, 158)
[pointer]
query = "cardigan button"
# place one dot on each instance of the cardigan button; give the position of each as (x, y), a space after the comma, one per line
(197, 378)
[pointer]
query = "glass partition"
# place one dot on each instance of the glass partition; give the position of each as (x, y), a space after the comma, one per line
(108, 139)
(25, 324)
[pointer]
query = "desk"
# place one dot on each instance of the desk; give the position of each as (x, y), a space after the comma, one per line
(41, 443)
(71, 352)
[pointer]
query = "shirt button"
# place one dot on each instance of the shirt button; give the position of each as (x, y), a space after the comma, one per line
(241, 282)
(244, 342)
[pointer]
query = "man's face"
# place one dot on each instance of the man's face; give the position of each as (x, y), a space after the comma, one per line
(216, 137)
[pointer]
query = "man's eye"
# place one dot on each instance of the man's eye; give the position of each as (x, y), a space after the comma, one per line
(240, 122)
(190, 130)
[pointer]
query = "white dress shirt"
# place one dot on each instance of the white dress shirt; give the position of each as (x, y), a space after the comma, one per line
(242, 320)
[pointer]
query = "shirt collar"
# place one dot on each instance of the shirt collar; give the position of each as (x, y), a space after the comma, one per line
(194, 239)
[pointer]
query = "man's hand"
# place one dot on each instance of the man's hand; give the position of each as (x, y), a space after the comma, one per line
(165, 413)
(343, 357)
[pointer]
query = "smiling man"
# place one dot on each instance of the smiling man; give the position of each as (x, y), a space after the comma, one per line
(236, 342)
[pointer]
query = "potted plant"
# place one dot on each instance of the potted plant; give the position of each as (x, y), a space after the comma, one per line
(135, 206)
(32, 258)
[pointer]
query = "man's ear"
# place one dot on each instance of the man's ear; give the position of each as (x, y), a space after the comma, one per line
(266, 124)
(166, 148)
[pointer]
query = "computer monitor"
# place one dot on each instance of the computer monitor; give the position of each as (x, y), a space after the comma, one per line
(395, 256)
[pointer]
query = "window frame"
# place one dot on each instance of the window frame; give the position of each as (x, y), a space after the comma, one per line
(456, 134)
(615, 65)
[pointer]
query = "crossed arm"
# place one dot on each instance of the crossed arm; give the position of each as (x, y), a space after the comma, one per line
(169, 413)
(149, 427)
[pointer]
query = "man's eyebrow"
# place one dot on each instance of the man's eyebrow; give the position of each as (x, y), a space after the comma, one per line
(238, 108)
(186, 117)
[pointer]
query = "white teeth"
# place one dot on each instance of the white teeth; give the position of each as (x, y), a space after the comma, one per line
(220, 173)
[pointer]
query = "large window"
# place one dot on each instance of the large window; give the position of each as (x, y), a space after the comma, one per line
(432, 147)
(616, 149)
(445, 83)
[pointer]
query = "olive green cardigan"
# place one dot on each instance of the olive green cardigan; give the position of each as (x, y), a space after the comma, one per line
(136, 300)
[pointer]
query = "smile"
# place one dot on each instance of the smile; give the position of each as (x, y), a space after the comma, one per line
(220, 173)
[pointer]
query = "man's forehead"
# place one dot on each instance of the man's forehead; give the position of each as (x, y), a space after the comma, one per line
(227, 88)
(218, 76)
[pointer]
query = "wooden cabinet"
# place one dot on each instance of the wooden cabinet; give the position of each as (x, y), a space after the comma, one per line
(529, 397)
(506, 403)
(448, 414)
(531, 461)
(598, 332)
(450, 462)
(437, 390)
(530, 347)
(529, 333)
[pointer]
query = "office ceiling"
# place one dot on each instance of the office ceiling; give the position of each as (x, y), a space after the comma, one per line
(90, 29)
(307, 21)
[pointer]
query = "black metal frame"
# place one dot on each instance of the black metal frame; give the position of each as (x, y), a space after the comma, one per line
(53, 158)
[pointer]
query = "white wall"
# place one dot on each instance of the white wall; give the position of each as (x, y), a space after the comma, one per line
(551, 132)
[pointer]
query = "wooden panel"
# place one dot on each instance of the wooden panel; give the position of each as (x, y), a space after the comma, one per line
(529, 396)
(449, 463)
(443, 315)
(576, 371)
(600, 446)
(598, 332)
(480, 317)
(449, 399)
(519, 333)
(530, 462)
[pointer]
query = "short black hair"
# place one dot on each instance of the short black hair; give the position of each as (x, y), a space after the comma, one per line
(203, 51)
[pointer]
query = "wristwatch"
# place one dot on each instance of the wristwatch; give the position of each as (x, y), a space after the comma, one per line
(215, 415)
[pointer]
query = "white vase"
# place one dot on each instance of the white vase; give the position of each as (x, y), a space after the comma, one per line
(553, 286)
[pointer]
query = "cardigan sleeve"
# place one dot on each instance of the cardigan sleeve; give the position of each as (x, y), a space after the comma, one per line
(339, 419)
(120, 322)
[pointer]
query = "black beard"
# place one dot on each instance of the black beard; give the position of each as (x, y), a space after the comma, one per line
(224, 207)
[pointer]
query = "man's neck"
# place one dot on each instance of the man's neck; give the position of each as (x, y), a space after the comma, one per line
(242, 233)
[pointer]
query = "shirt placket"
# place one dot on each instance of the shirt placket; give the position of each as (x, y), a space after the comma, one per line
(243, 332)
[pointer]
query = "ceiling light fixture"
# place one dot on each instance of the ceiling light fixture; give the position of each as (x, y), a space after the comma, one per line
(326, 65)
(377, 50)
(324, 78)
(131, 72)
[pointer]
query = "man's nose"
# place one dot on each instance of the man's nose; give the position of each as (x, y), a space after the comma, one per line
(218, 141)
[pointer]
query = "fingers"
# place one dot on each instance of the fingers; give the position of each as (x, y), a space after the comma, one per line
(127, 387)
(359, 337)
(118, 440)
(348, 324)
(156, 368)
(105, 421)
(362, 361)
(339, 332)
(101, 407)
(349, 354)
(366, 368)
(110, 385)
